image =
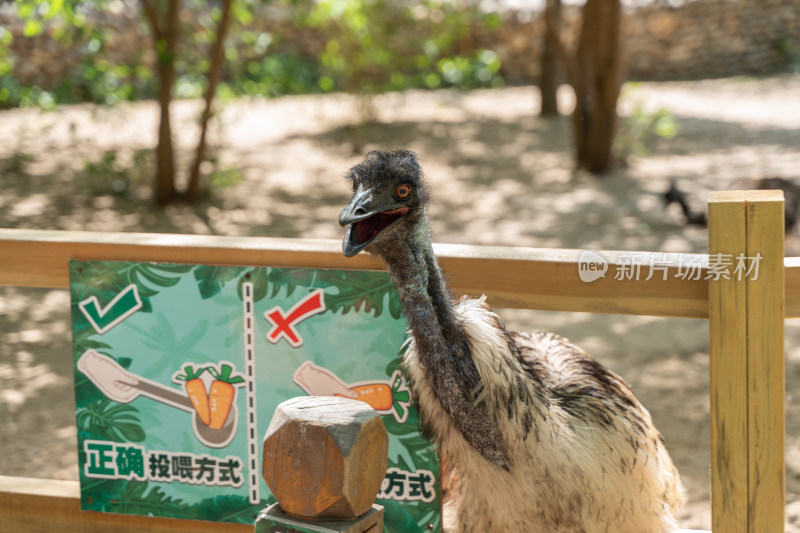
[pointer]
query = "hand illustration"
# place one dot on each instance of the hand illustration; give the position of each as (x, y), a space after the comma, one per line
(318, 381)
(114, 381)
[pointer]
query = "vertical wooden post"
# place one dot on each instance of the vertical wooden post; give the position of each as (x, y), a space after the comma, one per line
(746, 315)
(727, 318)
(766, 379)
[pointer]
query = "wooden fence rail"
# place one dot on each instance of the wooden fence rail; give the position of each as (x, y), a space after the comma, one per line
(531, 278)
(46, 505)
(745, 328)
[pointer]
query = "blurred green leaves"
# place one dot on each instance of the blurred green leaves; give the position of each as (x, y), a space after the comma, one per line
(379, 45)
(367, 47)
(642, 126)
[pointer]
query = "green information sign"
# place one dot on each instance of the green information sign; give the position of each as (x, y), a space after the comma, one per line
(178, 369)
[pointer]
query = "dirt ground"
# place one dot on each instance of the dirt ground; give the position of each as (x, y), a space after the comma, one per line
(498, 175)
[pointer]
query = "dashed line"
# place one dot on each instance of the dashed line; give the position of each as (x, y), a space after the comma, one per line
(250, 373)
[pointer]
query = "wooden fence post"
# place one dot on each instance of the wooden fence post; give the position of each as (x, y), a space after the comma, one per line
(746, 320)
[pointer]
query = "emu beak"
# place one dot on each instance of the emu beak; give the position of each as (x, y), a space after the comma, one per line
(365, 217)
(359, 208)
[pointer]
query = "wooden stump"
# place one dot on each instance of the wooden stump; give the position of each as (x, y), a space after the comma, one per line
(325, 457)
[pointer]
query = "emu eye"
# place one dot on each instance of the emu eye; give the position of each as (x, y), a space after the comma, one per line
(403, 191)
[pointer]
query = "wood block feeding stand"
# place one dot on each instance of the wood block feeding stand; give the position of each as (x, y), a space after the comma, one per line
(324, 460)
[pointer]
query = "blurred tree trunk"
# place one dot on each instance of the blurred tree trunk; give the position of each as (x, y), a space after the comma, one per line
(214, 73)
(548, 77)
(597, 85)
(595, 74)
(465, 37)
(164, 27)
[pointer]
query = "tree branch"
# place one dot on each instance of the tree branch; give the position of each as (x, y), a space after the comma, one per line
(214, 73)
(152, 16)
(172, 29)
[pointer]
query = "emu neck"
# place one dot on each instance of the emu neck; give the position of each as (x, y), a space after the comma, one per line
(427, 302)
(441, 343)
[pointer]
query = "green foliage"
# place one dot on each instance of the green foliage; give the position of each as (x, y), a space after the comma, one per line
(111, 421)
(788, 52)
(119, 173)
(469, 73)
(639, 129)
(96, 78)
(353, 55)
(63, 20)
(398, 518)
(258, 277)
(99, 81)
(371, 46)
(143, 498)
(274, 75)
(112, 175)
(99, 494)
(112, 277)
(234, 509)
(362, 294)
(356, 291)
(210, 279)
(12, 94)
(375, 46)
(137, 499)
(290, 279)
(220, 175)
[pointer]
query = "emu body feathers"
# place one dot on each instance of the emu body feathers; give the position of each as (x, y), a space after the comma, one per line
(583, 453)
(534, 435)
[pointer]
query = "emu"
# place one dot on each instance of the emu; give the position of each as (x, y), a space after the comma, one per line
(534, 435)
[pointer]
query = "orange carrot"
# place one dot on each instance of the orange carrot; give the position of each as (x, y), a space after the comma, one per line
(222, 394)
(376, 395)
(195, 390)
(220, 399)
(197, 394)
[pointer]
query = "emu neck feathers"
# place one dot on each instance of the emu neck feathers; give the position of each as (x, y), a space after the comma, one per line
(442, 344)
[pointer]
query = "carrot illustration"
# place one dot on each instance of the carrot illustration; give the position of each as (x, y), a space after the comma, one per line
(377, 395)
(196, 390)
(222, 394)
(387, 397)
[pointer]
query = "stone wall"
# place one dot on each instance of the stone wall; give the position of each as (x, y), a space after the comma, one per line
(705, 39)
(698, 39)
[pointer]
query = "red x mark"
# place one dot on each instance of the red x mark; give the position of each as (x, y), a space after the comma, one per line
(283, 325)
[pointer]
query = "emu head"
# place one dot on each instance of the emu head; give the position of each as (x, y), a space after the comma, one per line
(388, 203)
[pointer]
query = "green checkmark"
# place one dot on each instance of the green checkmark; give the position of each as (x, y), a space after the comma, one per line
(121, 307)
